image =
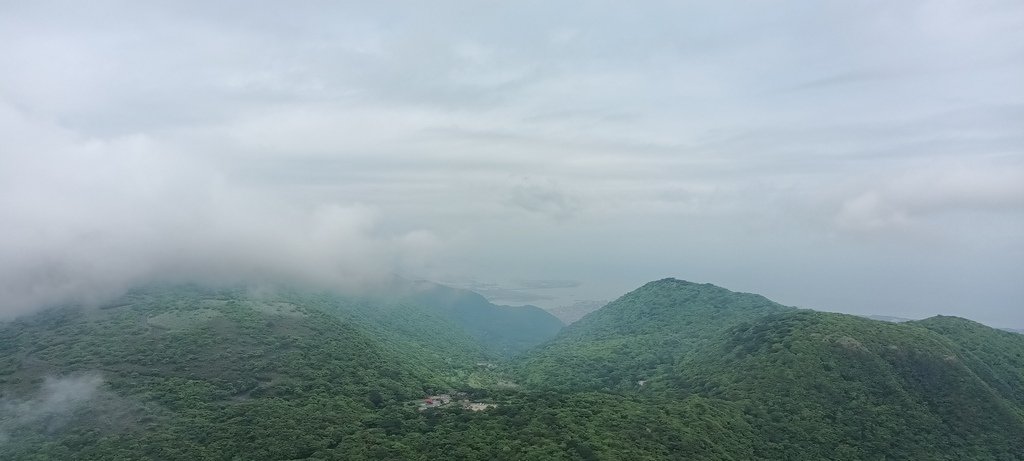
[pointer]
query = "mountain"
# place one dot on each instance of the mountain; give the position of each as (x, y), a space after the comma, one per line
(443, 322)
(503, 330)
(632, 338)
(821, 385)
(672, 370)
(188, 372)
(835, 386)
(995, 356)
(268, 373)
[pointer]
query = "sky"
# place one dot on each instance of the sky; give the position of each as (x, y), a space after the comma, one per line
(863, 156)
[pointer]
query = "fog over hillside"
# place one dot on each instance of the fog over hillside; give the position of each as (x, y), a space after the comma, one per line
(864, 157)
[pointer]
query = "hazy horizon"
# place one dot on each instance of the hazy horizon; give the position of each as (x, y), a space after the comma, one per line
(864, 157)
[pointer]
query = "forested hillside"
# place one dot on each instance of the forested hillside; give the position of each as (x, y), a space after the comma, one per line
(639, 335)
(833, 386)
(827, 386)
(997, 357)
(187, 372)
(672, 370)
(503, 330)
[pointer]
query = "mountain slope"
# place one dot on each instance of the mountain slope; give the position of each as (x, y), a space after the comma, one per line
(642, 332)
(503, 330)
(995, 356)
(268, 373)
(834, 386)
(212, 370)
(810, 385)
(672, 370)
(195, 373)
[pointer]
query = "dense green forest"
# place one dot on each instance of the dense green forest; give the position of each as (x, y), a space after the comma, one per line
(672, 370)
(638, 335)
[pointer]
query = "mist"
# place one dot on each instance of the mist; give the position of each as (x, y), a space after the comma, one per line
(51, 407)
(88, 219)
(864, 158)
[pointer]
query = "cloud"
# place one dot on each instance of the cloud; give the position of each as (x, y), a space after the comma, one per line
(869, 212)
(53, 405)
(940, 188)
(544, 198)
(90, 217)
(614, 144)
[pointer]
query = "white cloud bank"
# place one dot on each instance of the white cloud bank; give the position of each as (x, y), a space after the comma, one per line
(88, 218)
(805, 150)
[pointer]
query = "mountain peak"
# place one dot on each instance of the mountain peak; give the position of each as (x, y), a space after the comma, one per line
(674, 317)
(672, 281)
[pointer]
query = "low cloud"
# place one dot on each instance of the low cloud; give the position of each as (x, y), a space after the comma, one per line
(612, 143)
(86, 218)
(51, 407)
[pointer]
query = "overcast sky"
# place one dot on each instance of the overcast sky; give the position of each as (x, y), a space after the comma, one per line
(859, 156)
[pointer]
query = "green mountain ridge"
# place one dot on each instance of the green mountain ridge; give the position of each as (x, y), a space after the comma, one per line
(202, 372)
(671, 370)
(505, 330)
(631, 338)
(274, 374)
(996, 356)
(447, 323)
(828, 386)
(839, 386)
